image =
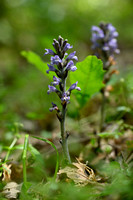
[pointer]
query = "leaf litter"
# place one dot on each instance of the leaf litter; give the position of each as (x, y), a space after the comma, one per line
(80, 173)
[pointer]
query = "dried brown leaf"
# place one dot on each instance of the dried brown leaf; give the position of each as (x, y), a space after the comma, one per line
(6, 172)
(11, 190)
(80, 173)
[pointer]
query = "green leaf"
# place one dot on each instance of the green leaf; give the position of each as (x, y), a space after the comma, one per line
(89, 75)
(123, 109)
(34, 59)
(24, 191)
(110, 135)
(57, 154)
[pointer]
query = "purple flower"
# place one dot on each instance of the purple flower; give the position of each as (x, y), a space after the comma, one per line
(72, 56)
(117, 51)
(111, 46)
(65, 54)
(56, 81)
(97, 33)
(54, 107)
(67, 46)
(51, 68)
(55, 60)
(106, 47)
(104, 40)
(74, 86)
(113, 43)
(110, 27)
(49, 51)
(65, 97)
(61, 63)
(112, 30)
(51, 89)
(70, 66)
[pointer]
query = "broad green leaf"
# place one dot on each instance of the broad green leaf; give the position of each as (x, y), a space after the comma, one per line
(34, 59)
(89, 75)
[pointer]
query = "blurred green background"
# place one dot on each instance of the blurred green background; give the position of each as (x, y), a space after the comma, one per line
(32, 25)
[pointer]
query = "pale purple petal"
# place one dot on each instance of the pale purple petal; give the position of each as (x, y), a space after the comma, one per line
(111, 28)
(65, 54)
(113, 43)
(54, 107)
(73, 68)
(74, 86)
(78, 88)
(67, 46)
(70, 66)
(51, 68)
(65, 97)
(55, 60)
(51, 89)
(95, 28)
(104, 38)
(72, 56)
(56, 81)
(97, 32)
(50, 52)
(117, 51)
(115, 34)
(105, 48)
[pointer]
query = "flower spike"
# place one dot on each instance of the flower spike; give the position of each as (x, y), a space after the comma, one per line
(61, 63)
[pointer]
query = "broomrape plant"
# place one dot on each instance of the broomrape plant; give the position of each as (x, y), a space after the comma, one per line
(61, 63)
(104, 45)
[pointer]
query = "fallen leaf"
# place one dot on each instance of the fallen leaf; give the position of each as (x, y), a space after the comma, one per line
(6, 172)
(11, 190)
(80, 173)
(85, 171)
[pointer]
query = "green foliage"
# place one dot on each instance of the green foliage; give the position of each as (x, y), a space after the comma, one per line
(129, 80)
(24, 191)
(24, 158)
(110, 134)
(57, 154)
(34, 59)
(122, 181)
(23, 95)
(123, 109)
(89, 75)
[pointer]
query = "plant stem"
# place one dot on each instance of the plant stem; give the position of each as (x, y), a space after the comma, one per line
(10, 148)
(105, 80)
(64, 135)
(102, 111)
(24, 158)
